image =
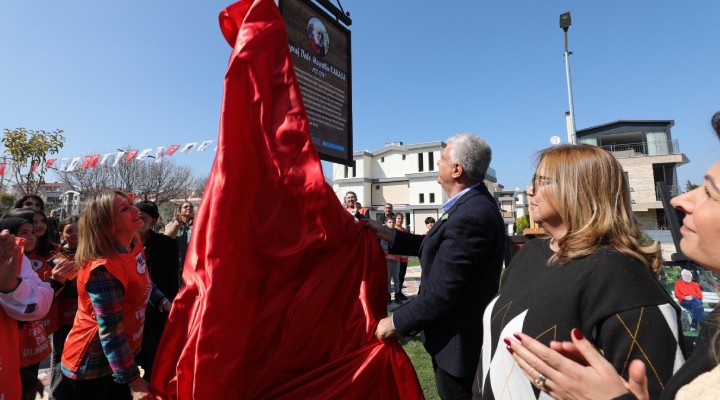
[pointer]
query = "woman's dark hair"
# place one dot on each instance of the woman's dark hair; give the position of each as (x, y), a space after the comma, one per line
(716, 123)
(44, 245)
(13, 224)
(19, 202)
(67, 221)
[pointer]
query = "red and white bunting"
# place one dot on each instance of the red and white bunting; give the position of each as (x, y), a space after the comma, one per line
(159, 154)
(118, 157)
(204, 145)
(75, 161)
(172, 149)
(130, 155)
(143, 154)
(188, 148)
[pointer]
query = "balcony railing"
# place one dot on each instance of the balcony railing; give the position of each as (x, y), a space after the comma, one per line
(655, 148)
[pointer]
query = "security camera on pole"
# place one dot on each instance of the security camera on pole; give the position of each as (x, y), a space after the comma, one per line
(565, 23)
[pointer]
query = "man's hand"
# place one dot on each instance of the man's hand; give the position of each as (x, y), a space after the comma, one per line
(381, 231)
(385, 329)
(10, 257)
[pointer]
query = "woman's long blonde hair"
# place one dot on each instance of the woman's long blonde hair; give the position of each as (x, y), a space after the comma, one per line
(96, 227)
(589, 190)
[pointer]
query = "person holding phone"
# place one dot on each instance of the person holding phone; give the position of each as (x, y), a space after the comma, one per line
(180, 229)
(67, 301)
(35, 336)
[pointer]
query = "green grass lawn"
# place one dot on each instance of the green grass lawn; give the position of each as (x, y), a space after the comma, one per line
(423, 367)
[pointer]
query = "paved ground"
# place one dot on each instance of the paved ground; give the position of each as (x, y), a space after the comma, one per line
(410, 289)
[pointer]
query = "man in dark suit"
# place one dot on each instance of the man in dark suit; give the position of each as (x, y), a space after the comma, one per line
(461, 258)
(163, 260)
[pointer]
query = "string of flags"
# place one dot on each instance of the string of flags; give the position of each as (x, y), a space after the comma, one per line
(69, 164)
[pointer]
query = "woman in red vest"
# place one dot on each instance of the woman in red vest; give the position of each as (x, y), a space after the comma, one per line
(23, 297)
(113, 290)
(35, 335)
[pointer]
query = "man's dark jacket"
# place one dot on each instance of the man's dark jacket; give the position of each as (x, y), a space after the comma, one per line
(161, 253)
(461, 258)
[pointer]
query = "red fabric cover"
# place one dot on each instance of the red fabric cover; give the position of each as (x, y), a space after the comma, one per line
(283, 289)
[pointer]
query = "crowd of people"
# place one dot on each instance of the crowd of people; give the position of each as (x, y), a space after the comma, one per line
(578, 313)
(95, 301)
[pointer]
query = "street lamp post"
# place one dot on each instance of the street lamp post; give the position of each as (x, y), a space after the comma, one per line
(565, 23)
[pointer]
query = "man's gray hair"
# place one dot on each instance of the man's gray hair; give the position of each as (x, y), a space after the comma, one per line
(472, 152)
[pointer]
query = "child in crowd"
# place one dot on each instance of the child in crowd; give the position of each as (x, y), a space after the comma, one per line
(393, 266)
(67, 301)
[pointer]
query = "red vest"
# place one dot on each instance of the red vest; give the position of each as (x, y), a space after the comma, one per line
(10, 387)
(34, 336)
(131, 270)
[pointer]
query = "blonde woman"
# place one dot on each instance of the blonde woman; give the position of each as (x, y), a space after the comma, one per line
(588, 375)
(591, 272)
(113, 289)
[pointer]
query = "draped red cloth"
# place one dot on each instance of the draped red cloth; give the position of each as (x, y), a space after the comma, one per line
(283, 288)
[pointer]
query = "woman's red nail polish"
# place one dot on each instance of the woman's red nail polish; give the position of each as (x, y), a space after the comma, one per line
(509, 349)
(577, 334)
(518, 337)
(507, 341)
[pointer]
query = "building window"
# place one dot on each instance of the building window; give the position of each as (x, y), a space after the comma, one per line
(403, 157)
(431, 162)
(432, 197)
(354, 167)
(422, 198)
(382, 159)
(420, 162)
(346, 171)
(377, 187)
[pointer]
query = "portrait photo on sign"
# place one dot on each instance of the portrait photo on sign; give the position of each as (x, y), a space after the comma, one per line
(318, 37)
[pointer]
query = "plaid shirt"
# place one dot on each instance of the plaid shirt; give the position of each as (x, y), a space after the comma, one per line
(109, 352)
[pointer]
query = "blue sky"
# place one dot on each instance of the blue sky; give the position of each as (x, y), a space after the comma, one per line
(150, 73)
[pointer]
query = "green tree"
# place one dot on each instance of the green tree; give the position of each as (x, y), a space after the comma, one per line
(27, 148)
(522, 223)
(690, 186)
(6, 202)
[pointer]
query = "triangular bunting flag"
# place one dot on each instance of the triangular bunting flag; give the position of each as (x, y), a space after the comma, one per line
(49, 163)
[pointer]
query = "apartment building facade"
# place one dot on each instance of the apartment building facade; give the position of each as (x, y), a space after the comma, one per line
(649, 156)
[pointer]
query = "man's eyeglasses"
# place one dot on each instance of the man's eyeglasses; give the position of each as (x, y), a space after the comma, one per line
(31, 204)
(539, 181)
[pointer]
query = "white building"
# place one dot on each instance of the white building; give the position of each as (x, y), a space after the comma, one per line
(403, 175)
(513, 205)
